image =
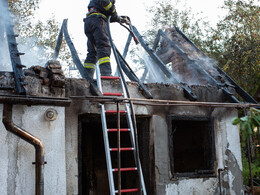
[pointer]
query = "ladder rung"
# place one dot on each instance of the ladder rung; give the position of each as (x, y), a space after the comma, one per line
(112, 94)
(114, 111)
(115, 130)
(128, 190)
(109, 77)
(126, 169)
(121, 149)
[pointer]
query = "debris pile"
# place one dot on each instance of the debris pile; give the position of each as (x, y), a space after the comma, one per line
(51, 76)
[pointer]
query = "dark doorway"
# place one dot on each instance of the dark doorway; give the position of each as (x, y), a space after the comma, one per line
(192, 146)
(93, 178)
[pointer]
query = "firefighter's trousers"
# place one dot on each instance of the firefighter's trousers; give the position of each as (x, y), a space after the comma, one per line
(99, 48)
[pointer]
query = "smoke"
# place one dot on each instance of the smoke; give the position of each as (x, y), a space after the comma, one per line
(146, 64)
(5, 62)
(187, 63)
(155, 75)
(35, 54)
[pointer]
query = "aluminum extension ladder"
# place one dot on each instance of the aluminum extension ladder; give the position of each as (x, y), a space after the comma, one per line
(130, 130)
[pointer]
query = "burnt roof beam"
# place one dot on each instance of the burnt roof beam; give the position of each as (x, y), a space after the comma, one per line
(239, 90)
(187, 91)
(77, 61)
(14, 54)
(230, 97)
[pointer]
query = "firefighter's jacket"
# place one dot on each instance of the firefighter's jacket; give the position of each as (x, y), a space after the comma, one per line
(105, 7)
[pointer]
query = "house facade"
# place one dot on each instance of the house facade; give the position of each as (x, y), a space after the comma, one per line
(184, 149)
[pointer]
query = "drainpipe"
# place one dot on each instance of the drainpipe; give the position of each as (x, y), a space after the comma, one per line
(39, 148)
(219, 178)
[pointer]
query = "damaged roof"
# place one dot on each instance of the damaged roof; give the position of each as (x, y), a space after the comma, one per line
(191, 66)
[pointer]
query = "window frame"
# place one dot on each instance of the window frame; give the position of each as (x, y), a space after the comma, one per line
(199, 174)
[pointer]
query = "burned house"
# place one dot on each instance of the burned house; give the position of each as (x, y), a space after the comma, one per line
(187, 144)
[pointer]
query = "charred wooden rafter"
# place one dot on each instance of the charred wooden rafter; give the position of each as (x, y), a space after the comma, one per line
(17, 66)
(75, 57)
(187, 91)
(230, 97)
(241, 92)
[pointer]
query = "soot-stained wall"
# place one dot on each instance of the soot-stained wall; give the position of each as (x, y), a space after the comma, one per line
(62, 140)
(226, 138)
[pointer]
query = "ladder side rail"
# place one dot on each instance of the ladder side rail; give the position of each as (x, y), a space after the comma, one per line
(142, 186)
(107, 150)
(135, 145)
(118, 148)
(130, 115)
(141, 182)
(105, 137)
(98, 75)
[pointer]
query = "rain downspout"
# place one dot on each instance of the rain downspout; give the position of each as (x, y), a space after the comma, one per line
(39, 148)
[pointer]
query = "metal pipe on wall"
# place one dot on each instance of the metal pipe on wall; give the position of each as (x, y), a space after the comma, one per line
(39, 148)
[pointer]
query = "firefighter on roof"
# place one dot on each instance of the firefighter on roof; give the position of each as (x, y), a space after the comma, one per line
(99, 48)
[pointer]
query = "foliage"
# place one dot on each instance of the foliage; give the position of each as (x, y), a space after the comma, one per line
(23, 9)
(165, 15)
(249, 125)
(249, 129)
(255, 167)
(36, 34)
(235, 43)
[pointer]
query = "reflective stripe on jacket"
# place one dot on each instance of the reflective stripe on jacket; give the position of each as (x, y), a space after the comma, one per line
(105, 7)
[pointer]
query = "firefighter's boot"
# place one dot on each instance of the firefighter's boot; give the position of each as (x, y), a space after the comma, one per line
(90, 71)
(105, 69)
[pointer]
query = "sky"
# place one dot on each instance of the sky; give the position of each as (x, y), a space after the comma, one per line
(76, 10)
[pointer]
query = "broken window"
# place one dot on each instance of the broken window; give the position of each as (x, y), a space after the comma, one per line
(192, 146)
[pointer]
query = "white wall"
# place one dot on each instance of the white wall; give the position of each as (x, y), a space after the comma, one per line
(228, 154)
(17, 172)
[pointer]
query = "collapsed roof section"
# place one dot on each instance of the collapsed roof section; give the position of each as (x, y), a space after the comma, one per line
(190, 66)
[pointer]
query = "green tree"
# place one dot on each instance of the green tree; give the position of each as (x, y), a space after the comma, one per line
(165, 14)
(235, 43)
(249, 130)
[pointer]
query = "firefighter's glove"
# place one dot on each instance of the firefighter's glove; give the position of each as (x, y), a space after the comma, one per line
(124, 19)
(115, 17)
